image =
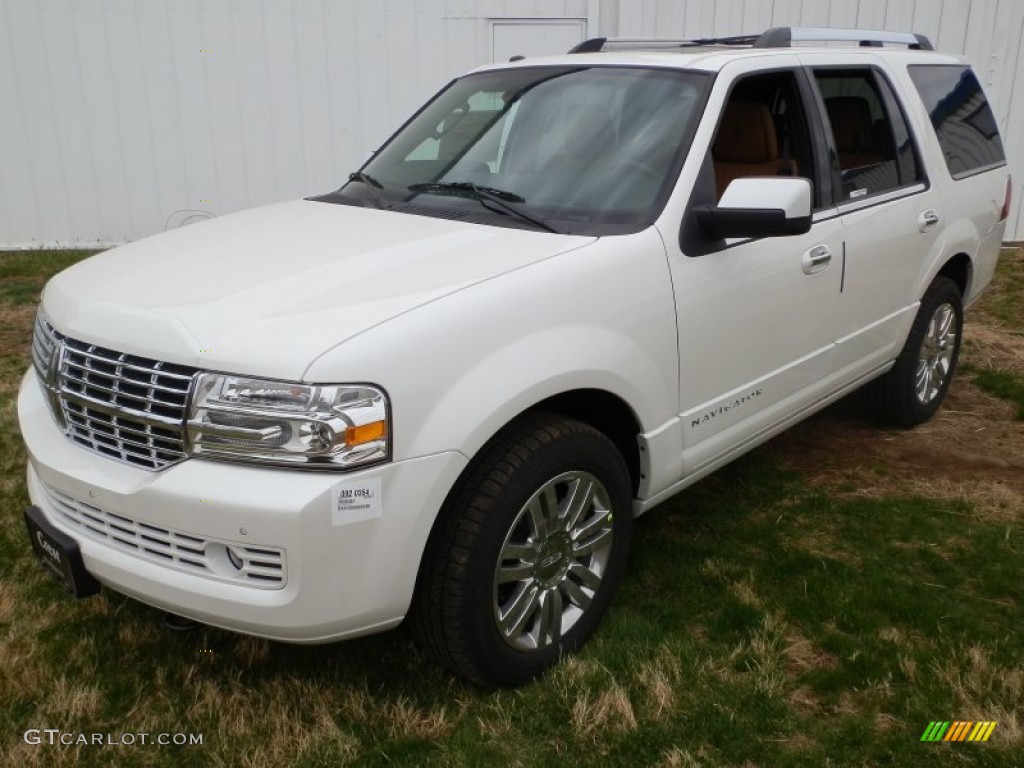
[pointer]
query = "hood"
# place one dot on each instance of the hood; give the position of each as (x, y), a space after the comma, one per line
(267, 290)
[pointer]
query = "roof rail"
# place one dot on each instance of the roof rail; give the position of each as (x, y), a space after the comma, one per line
(776, 37)
(595, 44)
(784, 37)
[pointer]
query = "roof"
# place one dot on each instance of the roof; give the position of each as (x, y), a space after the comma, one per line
(711, 54)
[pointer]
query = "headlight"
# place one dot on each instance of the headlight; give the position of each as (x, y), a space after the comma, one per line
(280, 422)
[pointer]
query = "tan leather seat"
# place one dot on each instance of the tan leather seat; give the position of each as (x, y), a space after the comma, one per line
(747, 145)
(853, 130)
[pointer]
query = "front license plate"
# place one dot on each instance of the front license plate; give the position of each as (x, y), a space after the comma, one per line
(60, 554)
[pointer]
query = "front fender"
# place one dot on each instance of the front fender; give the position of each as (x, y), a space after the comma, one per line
(460, 368)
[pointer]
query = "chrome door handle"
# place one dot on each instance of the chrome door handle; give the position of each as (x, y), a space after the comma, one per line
(816, 259)
(927, 220)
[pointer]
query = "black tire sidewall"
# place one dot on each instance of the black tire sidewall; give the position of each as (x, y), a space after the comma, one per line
(941, 291)
(586, 452)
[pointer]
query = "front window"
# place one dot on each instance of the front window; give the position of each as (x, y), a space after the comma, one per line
(592, 150)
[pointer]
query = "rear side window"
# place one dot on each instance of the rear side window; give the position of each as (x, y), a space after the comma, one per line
(873, 146)
(961, 116)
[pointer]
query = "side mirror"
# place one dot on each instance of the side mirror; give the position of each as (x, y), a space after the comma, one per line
(762, 206)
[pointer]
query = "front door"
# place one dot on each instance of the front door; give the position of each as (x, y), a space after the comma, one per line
(755, 318)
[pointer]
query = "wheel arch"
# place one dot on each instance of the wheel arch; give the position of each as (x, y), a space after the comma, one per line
(960, 269)
(610, 415)
(604, 411)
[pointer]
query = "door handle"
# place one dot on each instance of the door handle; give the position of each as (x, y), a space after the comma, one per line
(816, 259)
(927, 220)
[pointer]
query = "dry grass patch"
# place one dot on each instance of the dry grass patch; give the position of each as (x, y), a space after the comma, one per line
(659, 679)
(745, 593)
(799, 742)
(805, 701)
(986, 691)
(908, 666)
(293, 717)
(762, 655)
(9, 601)
(69, 702)
(252, 651)
(972, 452)
(821, 542)
(802, 655)
(683, 758)
(496, 723)
(987, 346)
(608, 710)
(405, 719)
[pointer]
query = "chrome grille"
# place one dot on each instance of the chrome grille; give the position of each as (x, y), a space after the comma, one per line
(254, 566)
(123, 406)
(44, 342)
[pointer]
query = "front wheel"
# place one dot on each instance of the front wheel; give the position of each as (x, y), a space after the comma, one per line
(522, 565)
(913, 390)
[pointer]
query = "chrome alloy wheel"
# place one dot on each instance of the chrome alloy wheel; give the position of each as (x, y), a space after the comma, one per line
(552, 560)
(935, 359)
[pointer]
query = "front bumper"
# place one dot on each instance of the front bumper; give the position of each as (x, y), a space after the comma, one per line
(164, 537)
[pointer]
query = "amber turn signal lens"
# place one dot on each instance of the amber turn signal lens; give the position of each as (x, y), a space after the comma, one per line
(366, 433)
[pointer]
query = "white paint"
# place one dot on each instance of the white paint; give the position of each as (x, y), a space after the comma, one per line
(261, 279)
(792, 196)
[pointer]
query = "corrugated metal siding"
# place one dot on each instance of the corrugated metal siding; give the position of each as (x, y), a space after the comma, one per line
(125, 117)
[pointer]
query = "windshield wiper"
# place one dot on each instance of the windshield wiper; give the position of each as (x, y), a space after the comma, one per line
(372, 185)
(467, 186)
(498, 197)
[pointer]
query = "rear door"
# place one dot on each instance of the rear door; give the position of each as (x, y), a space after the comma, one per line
(892, 217)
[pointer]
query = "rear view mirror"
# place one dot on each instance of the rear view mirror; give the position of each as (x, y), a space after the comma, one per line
(763, 206)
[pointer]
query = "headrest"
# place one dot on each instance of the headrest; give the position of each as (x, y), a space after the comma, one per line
(746, 134)
(851, 122)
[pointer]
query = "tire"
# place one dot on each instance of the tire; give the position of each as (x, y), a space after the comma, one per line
(514, 575)
(912, 391)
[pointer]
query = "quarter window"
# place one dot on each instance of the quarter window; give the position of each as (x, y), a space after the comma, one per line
(961, 116)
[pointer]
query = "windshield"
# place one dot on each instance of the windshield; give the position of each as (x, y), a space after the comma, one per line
(591, 150)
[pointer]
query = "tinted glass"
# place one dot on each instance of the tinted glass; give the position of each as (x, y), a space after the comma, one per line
(961, 116)
(871, 138)
(590, 150)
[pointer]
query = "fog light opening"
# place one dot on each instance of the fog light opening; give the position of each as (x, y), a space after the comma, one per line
(223, 560)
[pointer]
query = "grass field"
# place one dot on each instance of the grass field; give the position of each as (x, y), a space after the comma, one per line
(817, 603)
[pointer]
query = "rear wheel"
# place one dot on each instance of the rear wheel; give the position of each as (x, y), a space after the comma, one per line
(522, 565)
(913, 390)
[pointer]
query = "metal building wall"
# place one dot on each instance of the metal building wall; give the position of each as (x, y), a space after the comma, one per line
(120, 118)
(989, 32)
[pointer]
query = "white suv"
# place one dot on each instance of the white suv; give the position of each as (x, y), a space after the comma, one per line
(564, 291)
